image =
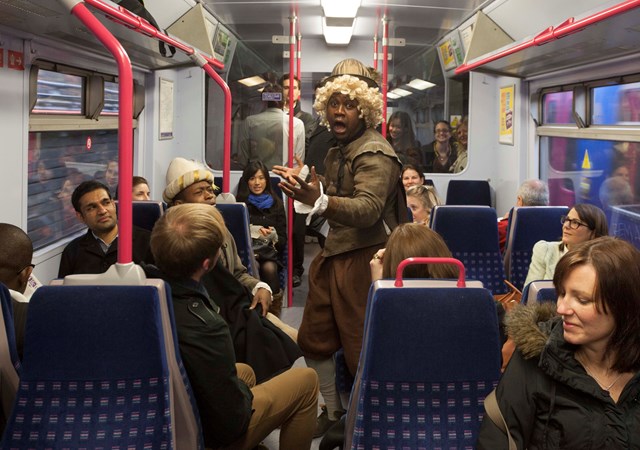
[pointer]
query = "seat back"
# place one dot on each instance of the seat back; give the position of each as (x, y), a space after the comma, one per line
(236, 217)
(94, 372)
(625, 223)
(430, 355)
(469, 192)
(539, 291)
(528, 225)
(186, 417)
(146, 213)
(471, 233)
(9, 361)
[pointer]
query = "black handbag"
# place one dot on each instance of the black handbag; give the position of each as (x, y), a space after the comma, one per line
(264, 250)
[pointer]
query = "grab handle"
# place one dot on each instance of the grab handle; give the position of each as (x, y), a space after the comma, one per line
(426, 260)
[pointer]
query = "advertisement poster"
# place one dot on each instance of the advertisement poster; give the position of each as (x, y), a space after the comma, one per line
(447, 55)
(507, 98)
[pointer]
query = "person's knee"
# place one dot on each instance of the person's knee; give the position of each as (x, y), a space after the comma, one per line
(246, 374)
(308, 381)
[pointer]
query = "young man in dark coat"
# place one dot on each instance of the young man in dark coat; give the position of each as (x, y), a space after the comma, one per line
(97, 250)
(234, 411)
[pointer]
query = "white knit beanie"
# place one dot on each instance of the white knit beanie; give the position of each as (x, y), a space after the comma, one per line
(181, 174)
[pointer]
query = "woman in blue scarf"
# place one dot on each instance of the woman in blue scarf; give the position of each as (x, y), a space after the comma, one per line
(268, 222)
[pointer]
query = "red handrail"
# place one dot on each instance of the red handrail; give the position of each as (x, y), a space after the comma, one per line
(125, 101)
(125, 126)
(292, 49)
(385, 71)
(426, 260)
(567, 27)
(127, 18)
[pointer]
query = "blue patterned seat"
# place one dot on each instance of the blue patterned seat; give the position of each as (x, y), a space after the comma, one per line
(95, 371)
(145, 213)
(468, 192)
(528, 225)
(430, 355)
(471, 233)
(236, 217)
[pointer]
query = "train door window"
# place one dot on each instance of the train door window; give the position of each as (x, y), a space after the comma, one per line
(73, 137)
(557, 108)
(616, 105)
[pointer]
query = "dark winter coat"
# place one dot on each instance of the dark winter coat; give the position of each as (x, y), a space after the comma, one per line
(549, 401)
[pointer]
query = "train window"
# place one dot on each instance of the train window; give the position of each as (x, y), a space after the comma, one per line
(557, 108)
(73, 137)
(111, 90)
(59, 93)
(584, 170)
(616, 105)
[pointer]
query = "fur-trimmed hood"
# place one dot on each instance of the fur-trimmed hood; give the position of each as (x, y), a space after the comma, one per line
(526, 326)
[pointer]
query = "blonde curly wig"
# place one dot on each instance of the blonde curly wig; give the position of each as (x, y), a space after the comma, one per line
(369, 99)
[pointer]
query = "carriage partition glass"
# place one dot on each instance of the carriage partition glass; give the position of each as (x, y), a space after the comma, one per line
(111, 90)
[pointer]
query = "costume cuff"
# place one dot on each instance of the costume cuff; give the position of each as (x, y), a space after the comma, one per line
(262, 284)
(319, 207)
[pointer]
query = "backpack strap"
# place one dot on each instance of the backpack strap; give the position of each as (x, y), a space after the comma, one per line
(494, 413)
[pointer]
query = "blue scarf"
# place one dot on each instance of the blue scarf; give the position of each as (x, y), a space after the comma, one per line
(262, 201)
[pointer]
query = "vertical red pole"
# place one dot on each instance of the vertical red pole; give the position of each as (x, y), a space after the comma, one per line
(292, 49)
(125, 128)
(375, 51)
(385, 69)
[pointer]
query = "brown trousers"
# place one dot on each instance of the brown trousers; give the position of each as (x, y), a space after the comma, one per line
(288, 401)
(334, 313)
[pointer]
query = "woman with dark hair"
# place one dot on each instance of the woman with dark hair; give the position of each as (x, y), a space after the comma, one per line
(412, 240)
(584, 222)
(402, 138)
(574, 382)
(411, 175)
(268, 223)
(440, 155)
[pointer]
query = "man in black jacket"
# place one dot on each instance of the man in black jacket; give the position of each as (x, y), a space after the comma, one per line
(234, 411)
(97, 250)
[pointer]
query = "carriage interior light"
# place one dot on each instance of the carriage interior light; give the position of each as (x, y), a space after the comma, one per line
(420, 85)
(392, 96)
(252, 81)
(400, 92)
(337, 35)
(340, 8)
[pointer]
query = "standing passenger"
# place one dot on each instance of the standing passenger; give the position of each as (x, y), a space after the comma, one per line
(307, 119)
(462, 141)
(402, 138)
(440, 155)
(360, 203)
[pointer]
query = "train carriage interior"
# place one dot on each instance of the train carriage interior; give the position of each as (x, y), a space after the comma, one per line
(551, 91)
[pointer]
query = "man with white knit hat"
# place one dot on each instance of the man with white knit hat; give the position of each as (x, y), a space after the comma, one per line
(191, 182)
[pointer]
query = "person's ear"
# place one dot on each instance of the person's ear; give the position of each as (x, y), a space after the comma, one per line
(519, 201)
(23, 277)
(177, 202)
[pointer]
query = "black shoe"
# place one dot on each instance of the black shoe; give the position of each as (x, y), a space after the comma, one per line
(296, 280)
(324, 422)
(334, 437)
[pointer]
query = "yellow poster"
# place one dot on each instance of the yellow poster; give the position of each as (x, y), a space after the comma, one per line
(448, 57)
(507, 98)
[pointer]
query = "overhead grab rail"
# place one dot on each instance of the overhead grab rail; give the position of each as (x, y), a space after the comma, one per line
(552, 33)
(125, 102)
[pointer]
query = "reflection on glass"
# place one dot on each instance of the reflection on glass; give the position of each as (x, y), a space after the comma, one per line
(110, 98)
(58, 162)
(602, 173)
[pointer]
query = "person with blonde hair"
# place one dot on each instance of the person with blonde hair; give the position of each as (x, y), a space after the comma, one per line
(235, 412)
(360, 201)
(410, 240)
(420, 200)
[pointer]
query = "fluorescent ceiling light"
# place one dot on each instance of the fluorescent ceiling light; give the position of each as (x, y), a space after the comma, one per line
(336, 35)
(401, 92)
(420, 85)
(392, 96)
(340, 8)
(252, 81)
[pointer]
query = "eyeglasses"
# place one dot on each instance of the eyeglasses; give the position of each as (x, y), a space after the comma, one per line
(28, 265)
(573, 223)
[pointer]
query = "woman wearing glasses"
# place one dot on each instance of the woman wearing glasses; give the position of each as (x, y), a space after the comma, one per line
(583, 223)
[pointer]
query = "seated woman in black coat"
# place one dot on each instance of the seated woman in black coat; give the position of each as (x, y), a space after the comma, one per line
(574, 379)
(268, 222)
